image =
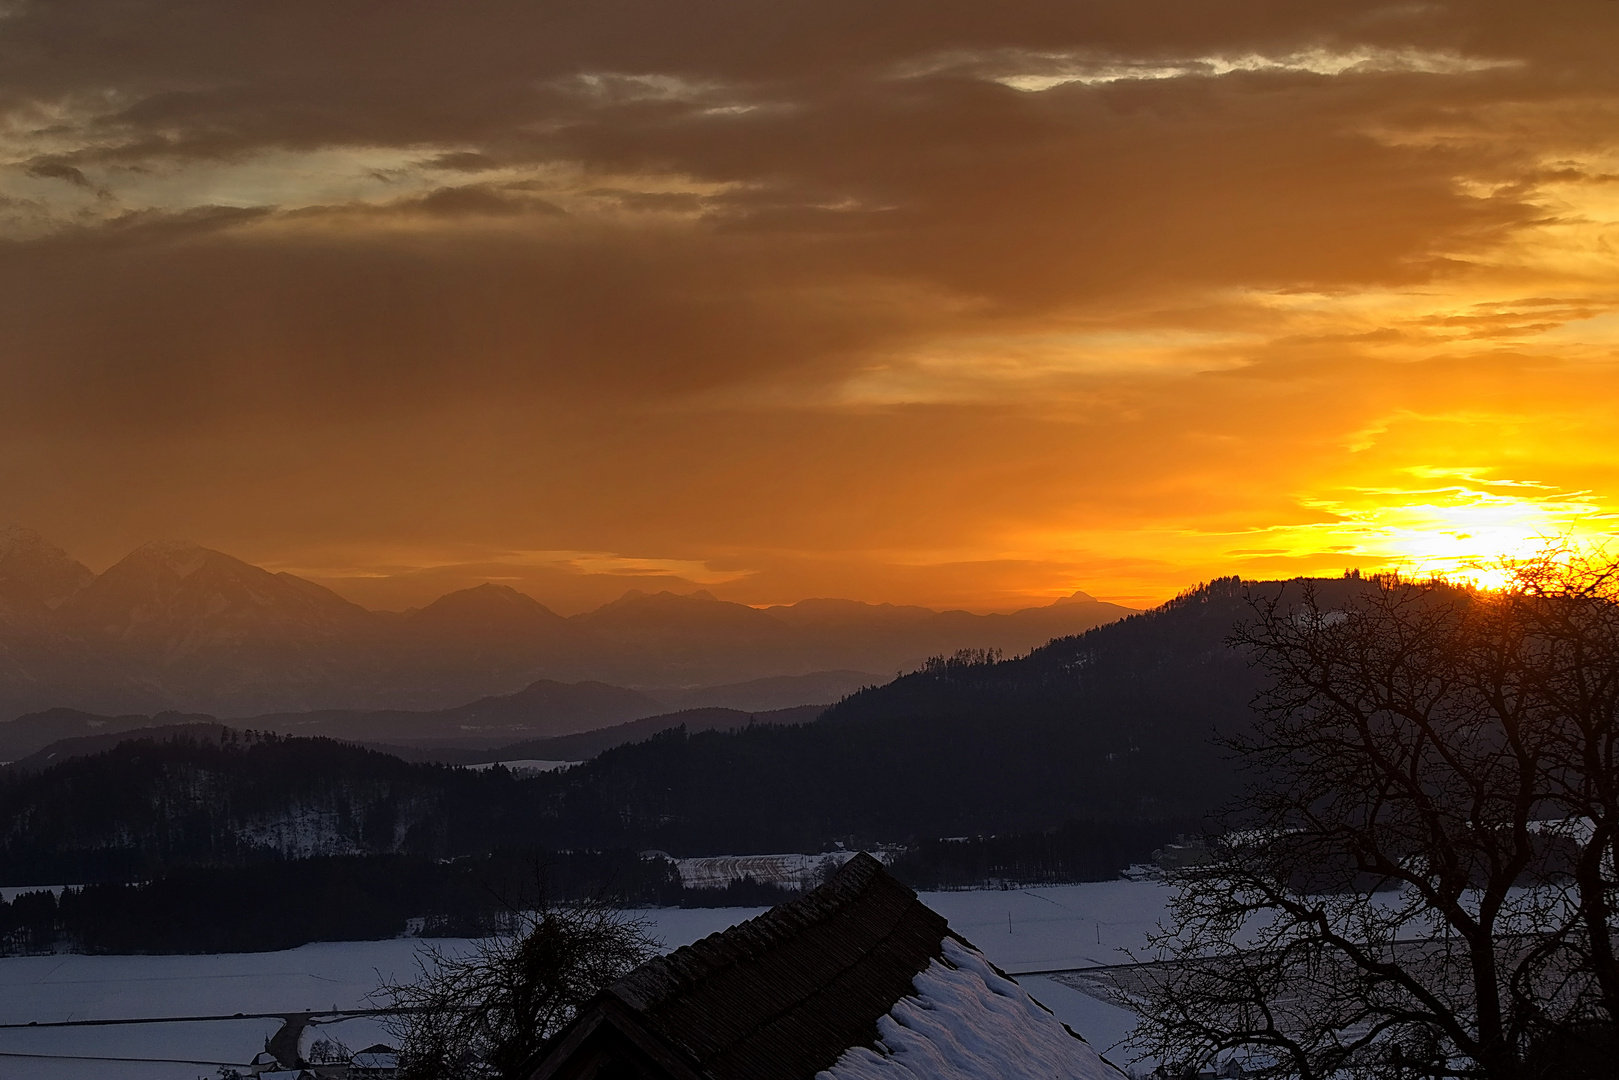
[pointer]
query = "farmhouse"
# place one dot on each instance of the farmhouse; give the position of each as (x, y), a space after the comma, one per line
(374, 1063)
(857, 980)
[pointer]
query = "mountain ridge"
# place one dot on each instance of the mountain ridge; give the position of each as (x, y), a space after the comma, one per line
(177, 626)
(587, 713)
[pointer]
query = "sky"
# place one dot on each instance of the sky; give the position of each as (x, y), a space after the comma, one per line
(951, 303)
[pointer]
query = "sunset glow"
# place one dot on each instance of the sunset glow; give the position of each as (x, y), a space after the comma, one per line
(992, 308)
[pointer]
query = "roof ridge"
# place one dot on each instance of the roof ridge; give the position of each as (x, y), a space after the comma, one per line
(843, 970)
(664, 976)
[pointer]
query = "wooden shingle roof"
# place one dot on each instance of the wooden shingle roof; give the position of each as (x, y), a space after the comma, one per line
(780, 996)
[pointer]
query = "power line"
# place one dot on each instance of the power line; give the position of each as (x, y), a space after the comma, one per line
(89, 1057)
(204, 1019)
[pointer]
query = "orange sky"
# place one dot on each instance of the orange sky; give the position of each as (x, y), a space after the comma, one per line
(949, 303)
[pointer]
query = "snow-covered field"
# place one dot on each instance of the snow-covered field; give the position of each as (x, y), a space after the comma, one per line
(1022, 931)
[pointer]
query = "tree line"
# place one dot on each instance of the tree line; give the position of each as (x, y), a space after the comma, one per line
(283, 904)
(277, 903)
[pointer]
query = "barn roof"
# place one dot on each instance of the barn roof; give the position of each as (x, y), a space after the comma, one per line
(783, 994)
(790, 993)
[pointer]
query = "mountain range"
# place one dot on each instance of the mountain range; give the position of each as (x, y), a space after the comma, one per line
(39, 740)
(178, 627)
(1107, 732)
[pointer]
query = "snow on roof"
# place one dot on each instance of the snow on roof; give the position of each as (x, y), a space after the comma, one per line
(968, 1022)
(860, 962)
(780, 996)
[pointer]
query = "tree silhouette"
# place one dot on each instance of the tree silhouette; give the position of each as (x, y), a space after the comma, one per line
(485, 1013)
(1420, 879)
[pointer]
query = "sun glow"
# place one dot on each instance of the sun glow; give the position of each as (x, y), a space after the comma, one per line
(1470, 535)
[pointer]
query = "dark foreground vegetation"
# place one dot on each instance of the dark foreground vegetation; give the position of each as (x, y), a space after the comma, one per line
(275, 903)
(486, 1013)
(1078, 851)
(1421, 879)
(281, 905)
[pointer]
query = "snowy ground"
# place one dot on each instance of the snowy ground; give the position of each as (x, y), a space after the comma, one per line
(1026, 930)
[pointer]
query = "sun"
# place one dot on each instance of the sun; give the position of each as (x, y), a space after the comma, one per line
(1467, 532)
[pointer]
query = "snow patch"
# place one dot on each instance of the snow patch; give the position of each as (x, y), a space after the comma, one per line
(303, 832)
(967, 1022)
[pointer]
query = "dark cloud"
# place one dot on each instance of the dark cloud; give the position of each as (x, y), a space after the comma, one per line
(304, 74)
(980, 203)
(478, 199)
(55, 170)
(463, 161)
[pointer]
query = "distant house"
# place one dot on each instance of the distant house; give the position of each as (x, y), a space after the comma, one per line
(1182, 854)
(374, 1063)
(857, 980)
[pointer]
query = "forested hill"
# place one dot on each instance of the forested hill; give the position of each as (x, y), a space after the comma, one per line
(1112, 725)
(224, 798)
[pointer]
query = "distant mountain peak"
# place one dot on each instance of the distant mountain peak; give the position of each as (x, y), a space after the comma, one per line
(489, 592)
(19, 541)
(481, 615)
(173, 600)
(486, 597)
(182, 557)
(16, 537)
(36, 575)
(1075, 597)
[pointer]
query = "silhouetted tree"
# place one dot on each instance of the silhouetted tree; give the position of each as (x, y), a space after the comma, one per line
(486, 1012)
(1420, 881)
